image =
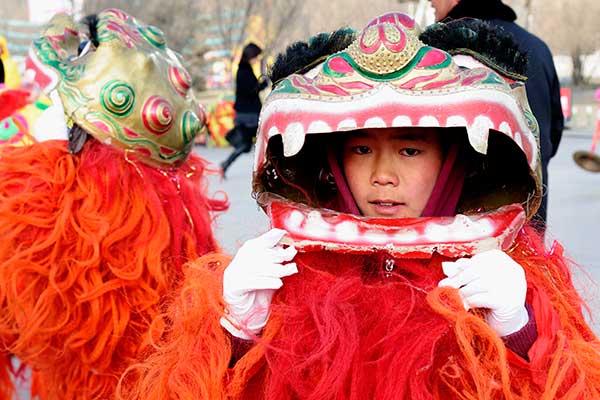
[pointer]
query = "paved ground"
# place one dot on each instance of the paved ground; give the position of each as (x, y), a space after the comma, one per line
(574, 216)
(574, 202)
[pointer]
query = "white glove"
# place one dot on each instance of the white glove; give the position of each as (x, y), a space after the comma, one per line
(491, 280)
(251, 279)
(52, 124)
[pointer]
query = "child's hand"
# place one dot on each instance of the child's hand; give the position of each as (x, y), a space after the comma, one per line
(491, 280)
(251, 279)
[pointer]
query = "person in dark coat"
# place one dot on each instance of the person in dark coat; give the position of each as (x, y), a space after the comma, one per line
(543, 88)
(1, 72)
(247, 105)
(1, 68)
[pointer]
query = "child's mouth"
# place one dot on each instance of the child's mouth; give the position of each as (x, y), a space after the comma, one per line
(385, 203)
(386, 207)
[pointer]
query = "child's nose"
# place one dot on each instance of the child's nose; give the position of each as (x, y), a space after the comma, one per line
(383, 171)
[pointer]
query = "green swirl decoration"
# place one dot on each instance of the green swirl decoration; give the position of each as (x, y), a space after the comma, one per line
(49, 56)
(153, 35)
(112, 128)
(118, 98)
(532, 123)
(285, 86)
(152, 150)
(190, 126)
(73, 98)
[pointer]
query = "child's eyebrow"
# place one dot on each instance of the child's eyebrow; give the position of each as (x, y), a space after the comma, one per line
(412, 136)
(358, 134)
(420, 137)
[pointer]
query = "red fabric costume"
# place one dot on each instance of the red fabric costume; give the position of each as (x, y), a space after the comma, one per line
(339, 329)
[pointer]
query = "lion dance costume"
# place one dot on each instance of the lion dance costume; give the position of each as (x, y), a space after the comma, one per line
(364, 318)
(96, 230)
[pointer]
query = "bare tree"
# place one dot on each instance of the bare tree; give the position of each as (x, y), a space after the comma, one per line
(231, 18)
(325, 16)
(278, 19)
(568, 28)
(178, 19)
(281, 18)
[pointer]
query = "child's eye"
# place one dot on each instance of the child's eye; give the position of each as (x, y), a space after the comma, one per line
(409, 152)
(361, 149)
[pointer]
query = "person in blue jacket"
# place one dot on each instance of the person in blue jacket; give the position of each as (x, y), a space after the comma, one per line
(543, 88)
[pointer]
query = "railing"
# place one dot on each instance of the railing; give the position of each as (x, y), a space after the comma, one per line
(19, 35)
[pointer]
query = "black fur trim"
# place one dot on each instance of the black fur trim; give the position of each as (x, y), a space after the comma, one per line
(300, 56)
(491, 45)
(91, 22)
(1, 71)
(77, 138)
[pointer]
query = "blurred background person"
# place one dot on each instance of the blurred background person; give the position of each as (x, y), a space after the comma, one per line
(247, 105)
(542, 85)
(9, 73)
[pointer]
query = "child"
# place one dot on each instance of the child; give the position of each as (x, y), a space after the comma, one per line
(402, 179)
(96, 229)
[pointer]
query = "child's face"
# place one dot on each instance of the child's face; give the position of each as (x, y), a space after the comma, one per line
(391, 172)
